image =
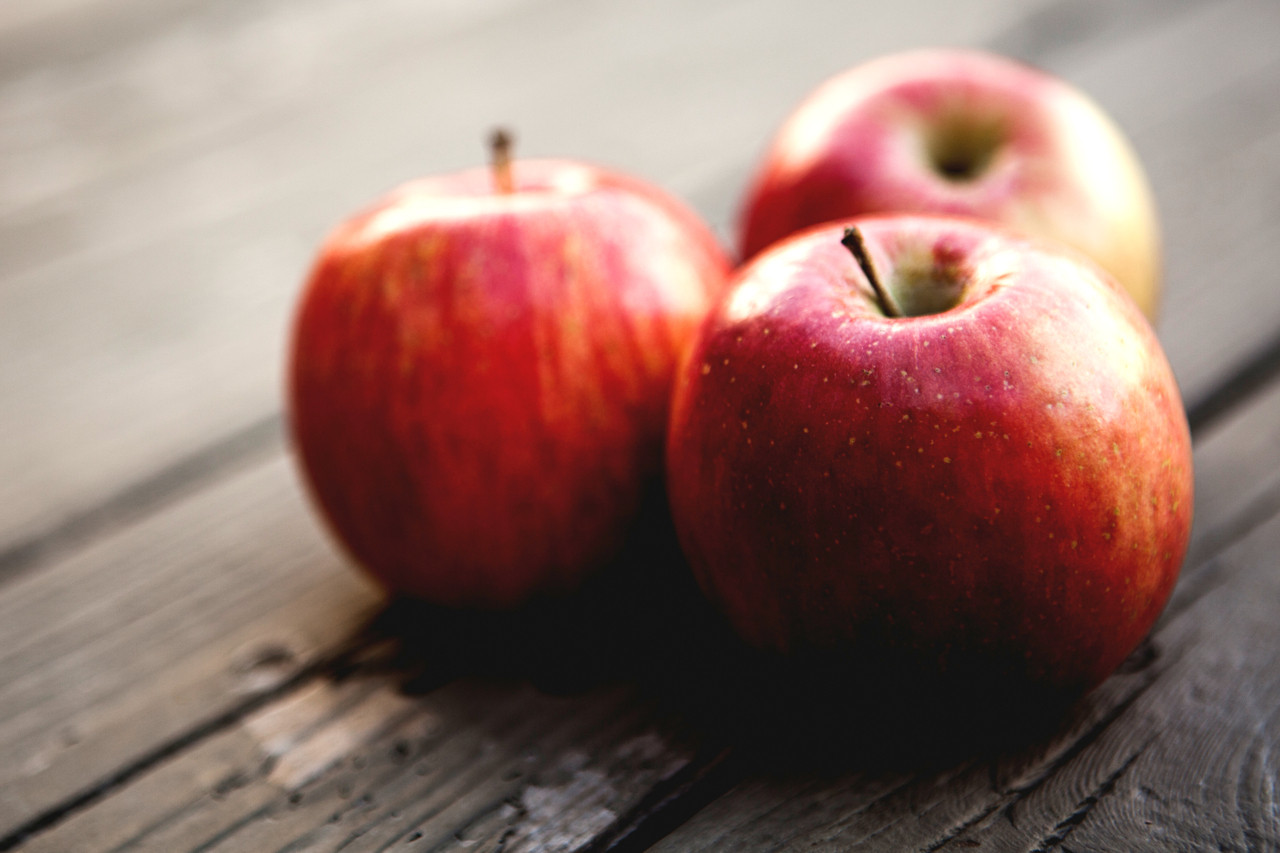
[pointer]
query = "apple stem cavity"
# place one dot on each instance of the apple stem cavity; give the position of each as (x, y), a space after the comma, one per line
(500, 158)
(854, 243)
(961, 149)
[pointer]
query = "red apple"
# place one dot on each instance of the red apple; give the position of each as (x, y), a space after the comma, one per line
(980, 466)
(481, 372)
(961, 133)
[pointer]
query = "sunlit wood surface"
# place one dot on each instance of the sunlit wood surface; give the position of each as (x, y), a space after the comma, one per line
(188, 663)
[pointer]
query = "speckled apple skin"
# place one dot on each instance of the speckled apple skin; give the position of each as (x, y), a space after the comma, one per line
(479, 382)
(1063, 170)
(1004, 488)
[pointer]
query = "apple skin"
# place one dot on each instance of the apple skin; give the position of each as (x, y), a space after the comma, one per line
(479, 381)
(961, 133)
(999, 493)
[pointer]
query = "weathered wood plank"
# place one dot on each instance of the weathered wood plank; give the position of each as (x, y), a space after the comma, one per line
(250, 775)
(231, 782)
(580, 763)
(1057, 782)
(463, 767)
(1145, 727)
(142, 639)
(1189, 765)
(238, 571)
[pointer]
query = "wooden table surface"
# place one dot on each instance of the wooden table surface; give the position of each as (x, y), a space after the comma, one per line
(187, 662)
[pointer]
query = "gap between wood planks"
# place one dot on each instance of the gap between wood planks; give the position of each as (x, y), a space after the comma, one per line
(1064, 829)
(1243, 382)
(325, 666)
(710, 773)
(264, 437)
(144, 496)
(255, 440)
(705, 778)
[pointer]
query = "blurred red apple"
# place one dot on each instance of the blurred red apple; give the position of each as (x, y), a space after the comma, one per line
(980, 465)
(481, 371)
(961, 133)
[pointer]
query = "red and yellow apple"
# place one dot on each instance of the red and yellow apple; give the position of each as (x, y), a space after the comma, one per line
(933, 442)
(481, 371)
(963, 133)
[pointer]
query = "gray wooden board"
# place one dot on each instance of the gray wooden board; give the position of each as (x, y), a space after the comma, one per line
(143, 637)
(159, 649)
(336, 746)
(1175, 751)
(154, 224)
(357, 765)
(1189, 764)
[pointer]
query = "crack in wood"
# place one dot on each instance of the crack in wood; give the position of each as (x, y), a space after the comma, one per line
(1210, 576)
(296, 795)
(418, 819)
(173, 747)
(1016, 794)
(495, 807)
(601, 722)
(263, 770)
(1069, 824)
(1253, 776)
(667, 805)
(963, 828)
(671, 802)
(1090, 736)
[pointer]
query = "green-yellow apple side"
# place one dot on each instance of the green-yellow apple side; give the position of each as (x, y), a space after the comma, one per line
(963, 133)
(979, 469)
(481, 370)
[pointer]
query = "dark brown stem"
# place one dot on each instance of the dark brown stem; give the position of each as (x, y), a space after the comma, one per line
(854, 243)
(500, 151)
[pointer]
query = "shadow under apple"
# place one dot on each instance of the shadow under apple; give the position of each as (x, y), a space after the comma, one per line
(642, 622)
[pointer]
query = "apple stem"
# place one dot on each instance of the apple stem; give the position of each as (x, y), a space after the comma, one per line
(854, 243)
(500, 150)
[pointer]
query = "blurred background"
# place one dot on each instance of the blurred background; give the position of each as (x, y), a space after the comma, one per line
(167, 168)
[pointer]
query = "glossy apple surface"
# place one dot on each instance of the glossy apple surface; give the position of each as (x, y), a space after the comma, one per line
(999, 486)
(480, 378)
(961, 133)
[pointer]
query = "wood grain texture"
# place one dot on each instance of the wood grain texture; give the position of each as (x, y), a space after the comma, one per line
(1189, 764)
(357, 765)
(138, 641)
(336, 739)
(175, 676)
(242, 705)
(1138, 729)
